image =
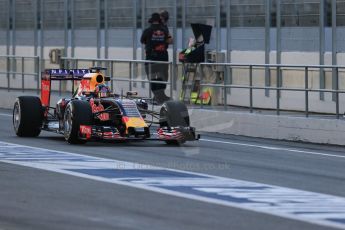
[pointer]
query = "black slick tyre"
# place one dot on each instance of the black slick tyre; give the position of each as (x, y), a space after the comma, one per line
(77, 113)
(174, 114)
(27, 116)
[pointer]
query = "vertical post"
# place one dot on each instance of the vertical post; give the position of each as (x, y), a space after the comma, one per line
(306, 87)
(334, 45)
(8, 69)
(337, 92)
(218, 48)
(135, 34)
(218, 32)
(217, 25)
(171, 80)
(228, 72)
(251, 88)
(13, 14)
(76, 63)
(14, 38)
(111, 75)
(322, 46)
(228, 31)
(73, 82)
(278, 91)
(201, 66)
(106, 30)
(267, 44)
(130, 75)
(135, 41)
(42, 35)
(38, 72)
(174, 65)
(225, 89)
(149, 77)
(35, 8)
(184, 7)
(23, 73)
(72, 6)
(278, 52)
(8, 29)
(279, 33)
(8, 75)
(65, 31)
(106, 34)
(143, 24)
(98, 30)
(8, 38)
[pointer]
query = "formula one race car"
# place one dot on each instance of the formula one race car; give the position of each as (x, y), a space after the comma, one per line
(95, 113)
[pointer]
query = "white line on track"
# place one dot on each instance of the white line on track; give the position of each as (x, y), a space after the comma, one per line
(5, 114)
(273, 148)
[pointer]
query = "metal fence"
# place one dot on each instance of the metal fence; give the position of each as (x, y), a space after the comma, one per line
(279, 69)
(20, 72)
(129, 74)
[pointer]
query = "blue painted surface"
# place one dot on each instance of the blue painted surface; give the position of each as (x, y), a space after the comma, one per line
(191, 190)
(134, 173)
(35, 155)
(341, 221)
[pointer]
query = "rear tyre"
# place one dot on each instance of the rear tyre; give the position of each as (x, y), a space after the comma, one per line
(174, 114)
(77, 113)
(27, 116)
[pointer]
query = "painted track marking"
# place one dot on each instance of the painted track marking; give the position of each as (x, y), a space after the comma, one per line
(273, 148)
(315, 208)
(5, 114)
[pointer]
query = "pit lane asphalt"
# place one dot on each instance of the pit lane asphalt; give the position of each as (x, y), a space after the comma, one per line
(36, 199)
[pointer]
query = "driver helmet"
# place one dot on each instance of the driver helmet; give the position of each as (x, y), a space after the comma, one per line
(102, 90)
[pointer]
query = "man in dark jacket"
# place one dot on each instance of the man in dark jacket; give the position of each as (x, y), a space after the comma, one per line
(155, 39)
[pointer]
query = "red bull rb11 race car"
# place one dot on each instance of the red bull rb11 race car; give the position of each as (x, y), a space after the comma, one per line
(95, 113)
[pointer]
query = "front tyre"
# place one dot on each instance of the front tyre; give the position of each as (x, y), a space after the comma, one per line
(27, 116)
(77, 113)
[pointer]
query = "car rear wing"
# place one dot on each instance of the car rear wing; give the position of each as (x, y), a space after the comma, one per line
(64, 74)
(50, 75)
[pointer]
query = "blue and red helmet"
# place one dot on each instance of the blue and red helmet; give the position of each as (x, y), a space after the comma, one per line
(102, 90)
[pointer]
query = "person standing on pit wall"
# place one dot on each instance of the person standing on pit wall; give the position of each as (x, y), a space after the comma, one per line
(155, 38)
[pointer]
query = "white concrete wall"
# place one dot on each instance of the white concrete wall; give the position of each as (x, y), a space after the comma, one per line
(325, 131)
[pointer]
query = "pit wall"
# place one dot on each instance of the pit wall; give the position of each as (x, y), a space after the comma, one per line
(313, 130)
